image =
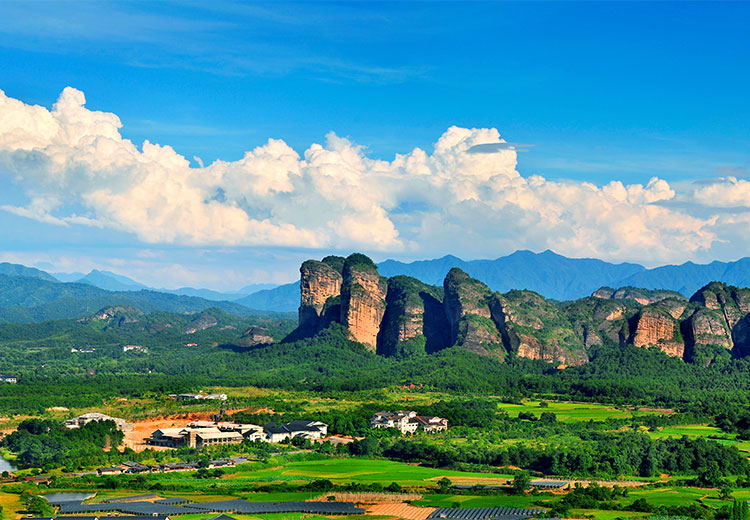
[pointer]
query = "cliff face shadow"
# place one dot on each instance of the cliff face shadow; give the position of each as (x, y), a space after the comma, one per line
(436, 328)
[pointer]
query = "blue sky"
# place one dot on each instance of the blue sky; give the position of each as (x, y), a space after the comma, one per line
(602, 92)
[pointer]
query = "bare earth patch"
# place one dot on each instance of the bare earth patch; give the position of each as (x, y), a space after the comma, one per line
(400, 510)
(142, 430)
(369, 498)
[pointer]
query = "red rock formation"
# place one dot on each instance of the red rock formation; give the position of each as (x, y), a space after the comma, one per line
(363, 293)
(655, 327)
(318, 282)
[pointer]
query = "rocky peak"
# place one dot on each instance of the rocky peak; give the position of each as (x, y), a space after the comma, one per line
(116, 315)
(363, 299)
(414, 320)
(638, 295)
(536, 328)
(254, 336)
(732, 302)
(467, 306)
(319, 282)
(598, 321)
(202, 322)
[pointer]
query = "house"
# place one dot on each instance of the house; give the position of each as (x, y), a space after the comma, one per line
(431, 424)
(134, 467)
(305, 429)
(408, 422)
(9, 379)
(112, 470)
(86, 418)
(136, 348)
(400, 419)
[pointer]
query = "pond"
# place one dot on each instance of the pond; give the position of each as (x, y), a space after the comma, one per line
(67, 497)
(6, 466)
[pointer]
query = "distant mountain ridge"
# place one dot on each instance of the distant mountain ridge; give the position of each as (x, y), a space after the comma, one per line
(551, 275)
(284, 298)
(111, 281)
(116, 282)
(21, 270)
(26, 299)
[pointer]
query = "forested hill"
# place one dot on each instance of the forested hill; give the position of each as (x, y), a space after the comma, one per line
(24, 300)
(21, 270)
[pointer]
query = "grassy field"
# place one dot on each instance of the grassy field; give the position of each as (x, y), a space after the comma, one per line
(11, 503)
(355, 470)
(700, 430)
(572, 412)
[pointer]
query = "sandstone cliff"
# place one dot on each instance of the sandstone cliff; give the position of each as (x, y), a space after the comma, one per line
(654, 326)
(536, 328)
(600, 322)
(721, 320)
(363, 297)
(467, 307)
(414, 320)
(320, 285)
(403, 317)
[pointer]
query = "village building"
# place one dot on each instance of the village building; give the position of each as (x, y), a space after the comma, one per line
(305, 429)
(408, 422)
(193, 437)
(86, 418)
(135, 348)
(9, 379)
(112, 470)
(197, 397)
(251, 432)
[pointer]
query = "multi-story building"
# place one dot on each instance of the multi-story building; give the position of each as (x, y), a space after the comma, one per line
(408, 422)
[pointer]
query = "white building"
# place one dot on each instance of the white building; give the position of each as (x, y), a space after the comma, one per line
(86, 418)
(408, 422)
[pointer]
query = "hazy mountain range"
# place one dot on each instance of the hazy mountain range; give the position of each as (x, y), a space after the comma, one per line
(552, 275)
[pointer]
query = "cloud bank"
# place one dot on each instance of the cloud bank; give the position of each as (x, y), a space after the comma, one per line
(77, 169)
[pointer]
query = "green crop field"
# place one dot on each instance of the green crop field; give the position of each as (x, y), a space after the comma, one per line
(346, 470)
(700, 430)
(572, 412)
(691, 430)
(606, 515)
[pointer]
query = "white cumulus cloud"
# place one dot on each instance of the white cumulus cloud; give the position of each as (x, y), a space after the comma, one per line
(76, 168)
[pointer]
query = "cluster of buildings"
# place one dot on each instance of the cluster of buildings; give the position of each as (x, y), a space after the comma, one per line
(134, 348)
(82, 420)
(8, 379)
(200, 434)
(199, 397)
(136, 467)
(408, 422)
